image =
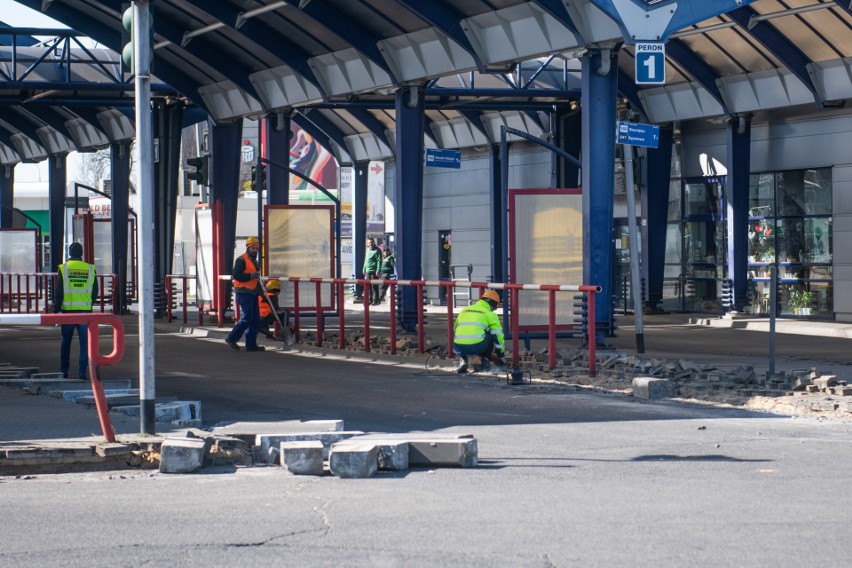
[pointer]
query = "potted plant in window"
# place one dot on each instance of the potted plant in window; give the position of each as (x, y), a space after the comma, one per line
(805, 298)
(795, 301)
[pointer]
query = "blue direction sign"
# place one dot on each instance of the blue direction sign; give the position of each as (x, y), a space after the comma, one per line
(438, 158)
(650, 63)
(637, 134)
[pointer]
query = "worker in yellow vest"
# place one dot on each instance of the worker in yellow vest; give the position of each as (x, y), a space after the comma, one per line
(75, 292)
(478, 331)
(246, 273)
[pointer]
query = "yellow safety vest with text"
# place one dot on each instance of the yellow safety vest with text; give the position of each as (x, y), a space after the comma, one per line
(475, 322)
(78, 282)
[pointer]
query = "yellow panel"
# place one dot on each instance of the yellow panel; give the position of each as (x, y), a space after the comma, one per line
(549, 250)
(300, 244)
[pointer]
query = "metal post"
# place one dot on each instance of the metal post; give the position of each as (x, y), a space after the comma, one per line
(773, 302)
(145, 159)
(633, 237)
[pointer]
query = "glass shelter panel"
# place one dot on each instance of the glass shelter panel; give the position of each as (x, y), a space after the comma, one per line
(547, 248)
(300, 243)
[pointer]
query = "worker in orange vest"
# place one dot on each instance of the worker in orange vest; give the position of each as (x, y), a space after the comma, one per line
(247, 287)
(269, 309)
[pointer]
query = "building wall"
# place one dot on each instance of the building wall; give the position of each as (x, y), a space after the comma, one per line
(789, 143)
(460, 201)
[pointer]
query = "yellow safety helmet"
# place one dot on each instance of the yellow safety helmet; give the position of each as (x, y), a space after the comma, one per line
(252, 240)
(492, 295)
(274, 284)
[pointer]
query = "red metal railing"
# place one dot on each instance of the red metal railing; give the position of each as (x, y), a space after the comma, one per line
(513, 290)
(184, 278)
(95, 358)
(32, 292)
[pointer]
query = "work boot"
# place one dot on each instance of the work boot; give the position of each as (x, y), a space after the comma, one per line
(462, 368)
(256, 348)
(232, 344)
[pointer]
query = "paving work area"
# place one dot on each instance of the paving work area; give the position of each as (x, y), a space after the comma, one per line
(565, 473)
(800, 385)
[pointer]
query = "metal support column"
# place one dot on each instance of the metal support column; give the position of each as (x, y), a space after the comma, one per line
(408, 198)
(600, 73)
(498, 239)
(56, 182)
(7, 195)
(655, 201)
(359, 216)
(225, 142)
(120, 176)
(278, 150)
(568, 137)
(168, 124)
(739, 162)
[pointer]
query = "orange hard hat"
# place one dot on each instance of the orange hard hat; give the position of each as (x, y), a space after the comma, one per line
(492, 295)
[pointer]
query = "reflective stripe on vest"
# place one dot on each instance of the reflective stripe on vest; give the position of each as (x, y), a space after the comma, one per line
(78, 281)
(471, 326)
(249, 285)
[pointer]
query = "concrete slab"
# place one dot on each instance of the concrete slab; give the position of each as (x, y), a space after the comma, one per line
(182, 455)
(393, 454)
(249, 431)
(269, 442)
(651, 388)
(354, 460)
(442, 452)
(302, 458)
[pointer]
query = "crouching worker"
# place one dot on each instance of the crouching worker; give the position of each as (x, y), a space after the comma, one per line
(267, 313)
(478, 332)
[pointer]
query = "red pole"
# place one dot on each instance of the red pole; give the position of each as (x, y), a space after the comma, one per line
(367, 296)
(551, 329)
(514, 295)
(183, 298)
(169, 298)
(18, 280)
(392, 292)
(29, 305)
(593, 334)
(341, 314)
(451, 288)
(319, 311)
(421, 333)
(295, 282)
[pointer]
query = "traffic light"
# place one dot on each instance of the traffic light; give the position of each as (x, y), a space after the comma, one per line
(201, 174)
(127, 39)
(258, 181)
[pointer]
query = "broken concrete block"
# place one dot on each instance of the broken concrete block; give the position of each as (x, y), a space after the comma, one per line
(650, 388)
(825, 381)
(302, 457)
(393, 454)
(462, 452)
(182, 455)
(354, 460)
(269, 442)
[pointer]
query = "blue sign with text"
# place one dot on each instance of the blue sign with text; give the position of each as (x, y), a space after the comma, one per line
(443, 158)
(637, 134)
(650, 66)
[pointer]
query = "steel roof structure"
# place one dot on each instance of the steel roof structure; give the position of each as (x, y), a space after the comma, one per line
(334, 65)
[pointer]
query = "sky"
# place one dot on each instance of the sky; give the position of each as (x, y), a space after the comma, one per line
(20, 16)
(17, 15)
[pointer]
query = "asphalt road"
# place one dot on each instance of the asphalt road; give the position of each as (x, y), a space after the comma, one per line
(566, 478)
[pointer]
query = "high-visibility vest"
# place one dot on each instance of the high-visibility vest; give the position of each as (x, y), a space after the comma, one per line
(265, 307)
(78, 282)
(248, 285)
(474, 323)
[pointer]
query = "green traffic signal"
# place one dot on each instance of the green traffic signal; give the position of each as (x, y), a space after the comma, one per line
(127, 50)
